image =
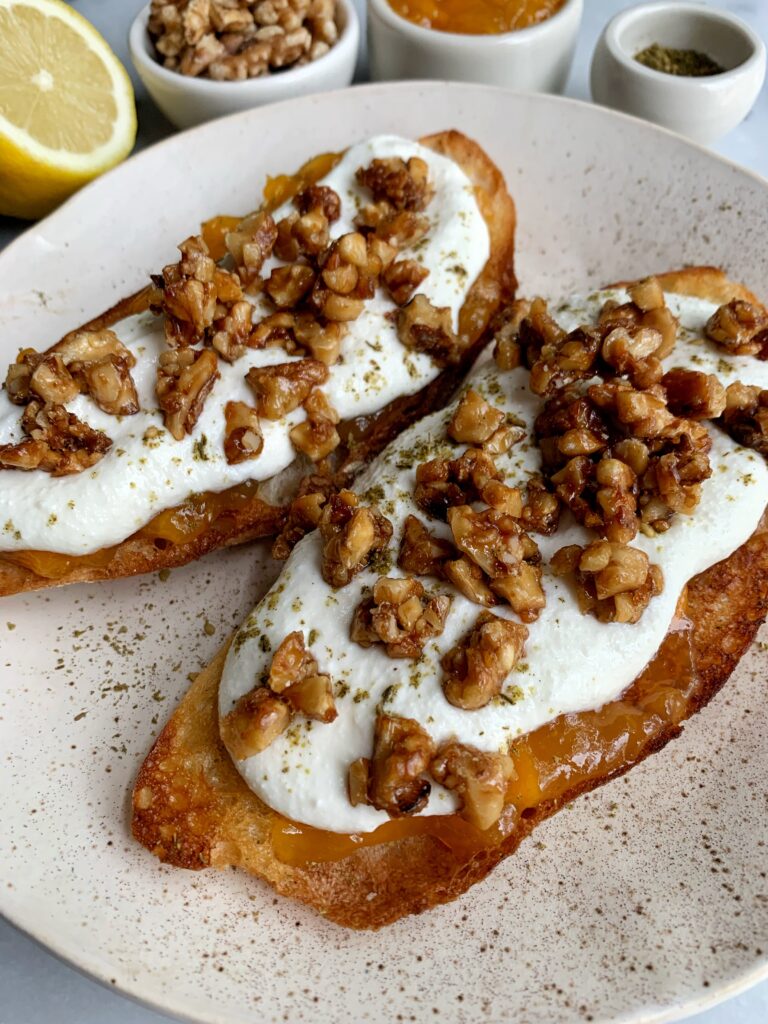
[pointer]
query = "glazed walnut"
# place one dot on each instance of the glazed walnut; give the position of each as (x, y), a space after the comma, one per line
(399, 615)
(243, 438)
(303, 513)
(295, 677)
(421, 553)
(615, 582)
(286, 286)
(740, 328)
(56, 441)
(426, 328)
(283, 387)
(746, 416)
(405, 186)
(478, 779)
(402, 751)
(316, 437)
(694, 395)
(443, 483)
(475, 420)
(475, 669)
(301, 334)
(185, 378)
(254, 723)
(402, 278)
(250, 245)
(349, 273)
(351, 534)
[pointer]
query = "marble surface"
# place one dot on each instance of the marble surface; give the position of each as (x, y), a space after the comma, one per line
(36, 988)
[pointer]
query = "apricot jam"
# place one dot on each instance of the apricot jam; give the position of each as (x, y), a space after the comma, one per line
(480, 17)
(572, 751)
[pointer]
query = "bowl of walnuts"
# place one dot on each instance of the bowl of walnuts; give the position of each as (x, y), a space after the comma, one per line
(201, 59)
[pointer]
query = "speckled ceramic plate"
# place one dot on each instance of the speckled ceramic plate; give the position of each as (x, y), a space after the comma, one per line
(643, 902)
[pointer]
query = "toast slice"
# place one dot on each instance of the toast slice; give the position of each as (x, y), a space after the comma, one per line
(261, 512)
(192, 809)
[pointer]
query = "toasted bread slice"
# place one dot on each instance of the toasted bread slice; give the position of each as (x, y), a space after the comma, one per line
(192, 809)
(262, 516)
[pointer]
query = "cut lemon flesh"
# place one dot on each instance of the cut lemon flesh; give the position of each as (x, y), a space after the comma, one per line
(66, 105)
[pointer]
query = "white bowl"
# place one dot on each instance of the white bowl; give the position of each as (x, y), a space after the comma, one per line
(702, 108)
(534, 59)
(189, 101)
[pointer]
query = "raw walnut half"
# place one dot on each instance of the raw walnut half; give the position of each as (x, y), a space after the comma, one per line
(185, 378)
(475, 669)
(615, 582)
(351, 534)
(393, 780)
(57, 442)
(478, 779)
(400, 616)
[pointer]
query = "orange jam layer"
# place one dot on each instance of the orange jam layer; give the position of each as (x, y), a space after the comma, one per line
(571, 752)
(178, 525)
(480, 17)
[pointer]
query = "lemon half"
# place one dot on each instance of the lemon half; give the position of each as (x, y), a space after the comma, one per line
(67, 111)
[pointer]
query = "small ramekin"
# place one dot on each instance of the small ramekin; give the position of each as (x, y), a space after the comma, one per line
(534, 59)
(189, 101)
(703, 109)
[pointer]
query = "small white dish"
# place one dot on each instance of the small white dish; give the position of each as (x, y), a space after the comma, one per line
(533, 59)
(188, 101)
(703, 109)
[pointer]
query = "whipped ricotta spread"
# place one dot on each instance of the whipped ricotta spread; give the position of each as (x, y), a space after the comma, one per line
(140, 476)
(572, 660)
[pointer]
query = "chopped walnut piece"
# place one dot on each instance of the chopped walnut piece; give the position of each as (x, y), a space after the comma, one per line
(443, 483)
(401, 279)
(250, 245)
(421, 553)
(541, 511)
(505, 330)
(405, 186)
(357, 781)
(294, 675)
(101, 365)
(399, 229)
(316, 436)
(647, 294)
(400, 616)
(475, 669)
(694, 395)
(303, 513)
(52, 382)
(287, 286)
(243, 438)
(60, 443)
(19, 375)
(615, 582)
(185, 378)
(301, 333)
(351, 533)
(470, 580)
(232, 332)
(402, 751)
(306, 234)
(319, 197)
(283, 387)
(475, 420)
(479, 779)
(188, 294)
(741, 328)
(255, 722)
(425, 328)
(746, 416)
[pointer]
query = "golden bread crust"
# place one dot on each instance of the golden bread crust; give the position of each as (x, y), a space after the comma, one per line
(193, 810)
(259, 519)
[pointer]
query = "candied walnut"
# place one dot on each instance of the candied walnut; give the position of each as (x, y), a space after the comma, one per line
(60, 443)
(475, 420)
(570, 425)
(426, 328)
(185, 378)
(400, 616)
(303, 513)
(243, 438)
(478, 779)
(475, 669)
(287, 286)
(250, 245)
(541, 511)
(294, 675)
(741, 328)
(306, 234)
(694, 395)
(405, 186)
(283, 387)
(746, 416)
(319, 197)
(443, 483)
(401, 279)
(402, 751)
(421, 552)
(357, 781)
(255, 722)
(51, 381)
(522, 590)
(351, 533)
(615, 582)
(19, 375)
(634, 354)
(188, 294)
(232, 332)
(317, 436)
(101, 365)
(505, 330)
(470, 580)
(397, 228)
(301, 333)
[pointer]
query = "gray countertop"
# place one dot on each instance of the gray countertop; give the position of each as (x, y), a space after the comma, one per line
(35, 988)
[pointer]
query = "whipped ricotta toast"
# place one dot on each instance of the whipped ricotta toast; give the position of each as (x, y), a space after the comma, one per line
(324, 310)
(524, 595)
